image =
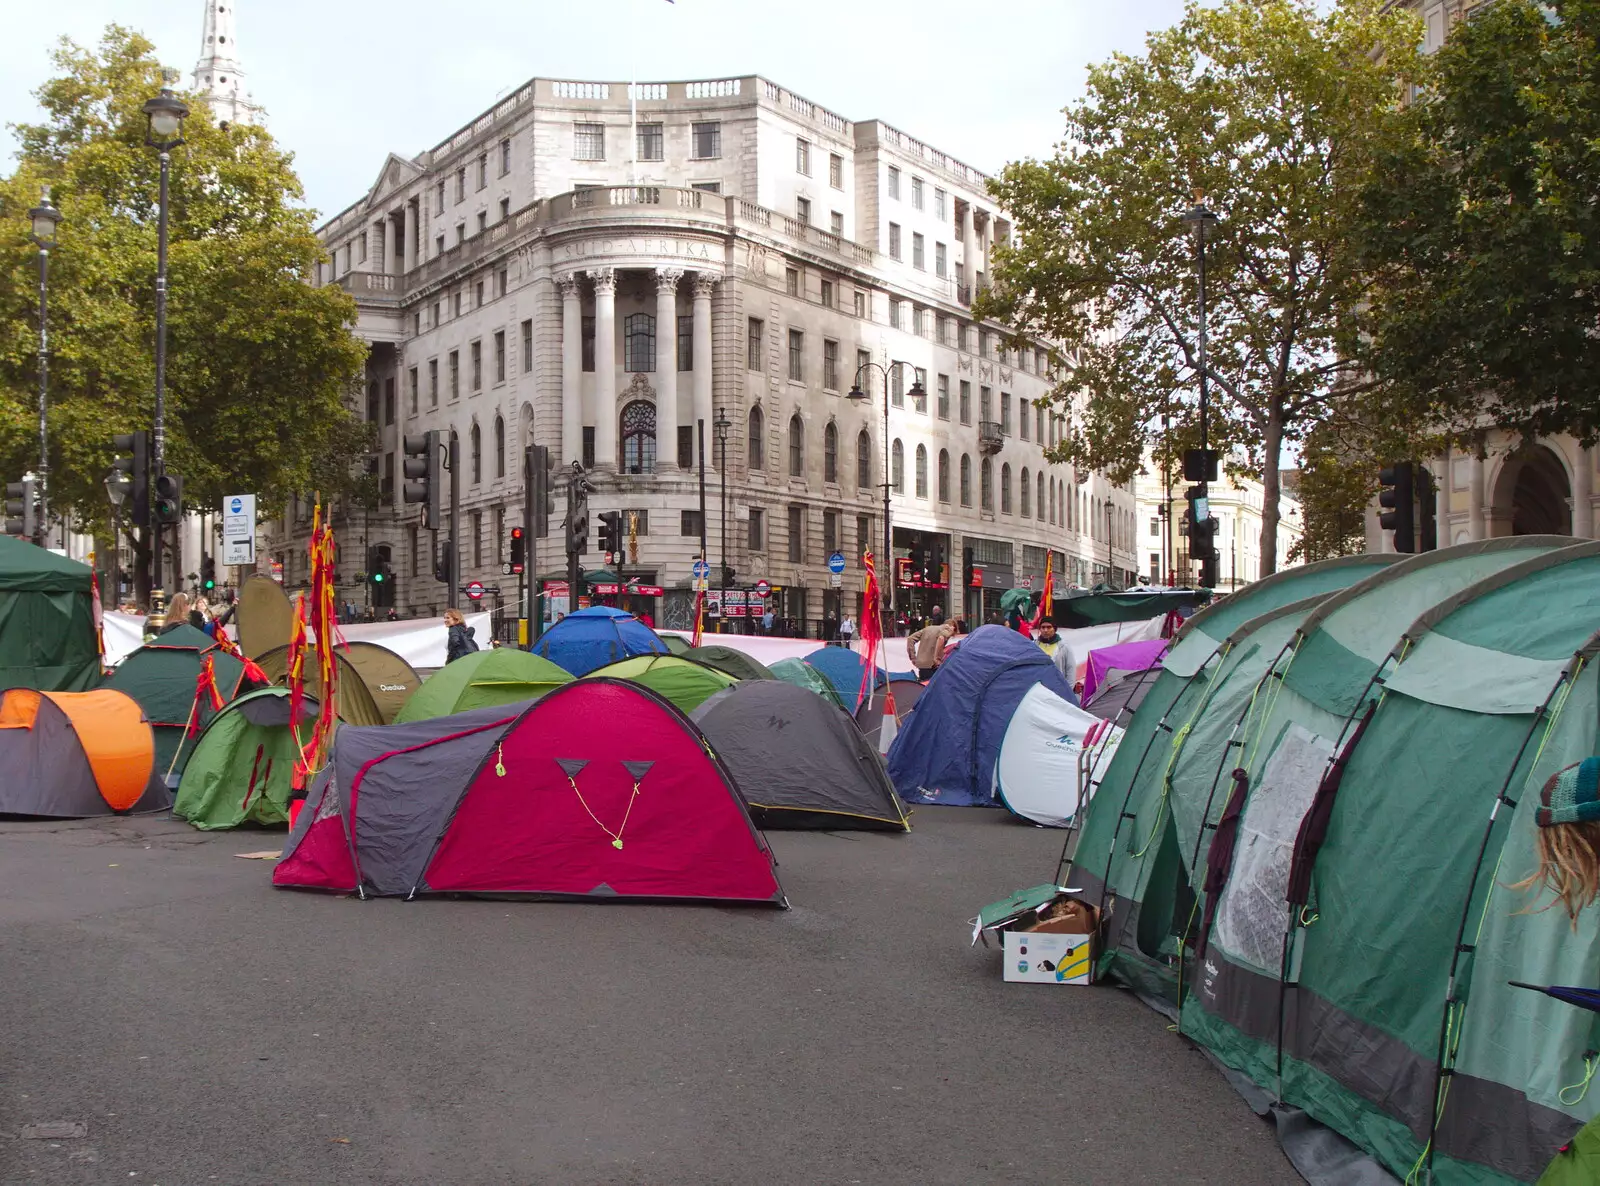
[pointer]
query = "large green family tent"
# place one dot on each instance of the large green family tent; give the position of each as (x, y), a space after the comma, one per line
(726, 659)
(373, 681)
(686, 683)
(242, 768)
(802, 675)
(502, 675)
(47, 632)
(163, 676)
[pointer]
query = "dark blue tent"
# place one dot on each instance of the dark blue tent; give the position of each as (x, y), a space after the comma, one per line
(844, 669)
(591, 638)
(946, 750)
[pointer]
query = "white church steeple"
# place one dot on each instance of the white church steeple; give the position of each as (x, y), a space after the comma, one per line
(217, 75)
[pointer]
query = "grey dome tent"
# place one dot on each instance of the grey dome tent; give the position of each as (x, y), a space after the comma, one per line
(799, 760)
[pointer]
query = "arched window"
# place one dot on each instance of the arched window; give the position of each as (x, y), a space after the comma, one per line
(755, 441)
(897, 466)
(944, 475)
(922, 471)
(477, 454)
(986, 485)
(863, 461)
(1052, 503)
(797, 446)
(639, 437)
(639, 338)
(830, 452)
(1005, 489)
(966, 480)
(499, 446)
(1025, 504)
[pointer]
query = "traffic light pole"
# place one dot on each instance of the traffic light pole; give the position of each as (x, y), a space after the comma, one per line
(574, 560)
(700, 449)
(452, 594)
(530, 549)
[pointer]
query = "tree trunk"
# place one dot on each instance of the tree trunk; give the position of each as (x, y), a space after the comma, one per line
(1272, 447)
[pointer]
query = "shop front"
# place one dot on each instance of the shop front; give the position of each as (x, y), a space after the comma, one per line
(921, 576)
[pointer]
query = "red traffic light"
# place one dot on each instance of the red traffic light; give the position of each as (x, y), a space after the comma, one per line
(516, 533)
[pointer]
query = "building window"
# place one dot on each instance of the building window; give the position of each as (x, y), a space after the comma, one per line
(863, 534)
(944, 397)
(894, 182)
(433, 382)
(707, 187)
(1005, 414)
(586, 334)
(863, 359)
(706, 140)
(966, 401)
(438, 198)
(922, 471)
(897, 387)
(638, 424)
(414, 384)
(938, 204)
(483, 170)
(797, 343)
(830, 453)
(527, 347)
(797, 446)
(477, 454)
(802, 210)
(755, 439)
(797, 534)
(944, 475)
(652, 142)
(919, 258)
(686, 343)
(754, 339)
(756, 538)
(861, 304)
(476, 350)
(863, 460)
(802, 156)
(477, 538)
(966, 480)
(461, 237)
(362, 244)
(896, 309)
(388, 400)
(836, 170)
(940, 262)
(461, 185)
(499, 446)
(1005, 489)
(830, 532)
(686, 446)
(916, 193)
(588, 446)
(920, 402)
(791, 281)
(589, 142)
(639, 335)
(1022, 418)
(689, 524)
(897, 466)
(836, 222)
(1025, 503)
(455, 374)
(830, 365)
(985, 405)
(505, 157)
(894, 240)
(438, 243)
(500, 356)
(827, 294)
(986, 485)
(1038, 425)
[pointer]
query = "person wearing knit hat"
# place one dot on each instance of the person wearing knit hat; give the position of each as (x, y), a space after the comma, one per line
(1569, 838)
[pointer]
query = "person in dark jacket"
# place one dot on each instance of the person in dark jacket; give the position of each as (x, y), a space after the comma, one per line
(461, 640)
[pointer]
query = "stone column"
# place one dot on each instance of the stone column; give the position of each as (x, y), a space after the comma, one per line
(571, 370)
(603, 409)
(1476, 527)
(703, 284)
(667, 368)
(1582, 495)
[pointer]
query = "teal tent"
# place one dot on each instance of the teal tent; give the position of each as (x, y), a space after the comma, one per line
(47, 632)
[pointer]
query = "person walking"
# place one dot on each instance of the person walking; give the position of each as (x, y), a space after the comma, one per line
(847, 631)
(926, 648)
(460, 637)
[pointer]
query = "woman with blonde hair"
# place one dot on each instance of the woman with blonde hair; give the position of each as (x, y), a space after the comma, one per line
(461, 640)
(1569, 839)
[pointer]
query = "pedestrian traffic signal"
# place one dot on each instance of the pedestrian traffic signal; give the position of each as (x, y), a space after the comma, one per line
(421, 469)
(136, 464)
(22, 512)
(1398, 498)
(166, 503)
(517, 553)
(611, 533)
(544, 490)
(208, 573)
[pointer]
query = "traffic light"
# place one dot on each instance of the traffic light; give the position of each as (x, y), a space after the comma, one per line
(728, 576)
(137, 466)
(611, 532)
(919, 561)
(1202, 527)
(22, 512)
(1200, 465)
(1427, 524)
(1208, 572)
(166, 502)
(421, 469)
(208, 573)
(577, 525)
(517, 554)
(380, 574)
(1398, 499)
(444, 563)
(966, 568)
(544, 491)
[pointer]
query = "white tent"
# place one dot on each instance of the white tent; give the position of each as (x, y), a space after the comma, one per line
(1053, 755)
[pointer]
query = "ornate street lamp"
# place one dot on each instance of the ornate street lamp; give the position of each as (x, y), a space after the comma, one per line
(44, 218)
(721, 425)
(860, 398)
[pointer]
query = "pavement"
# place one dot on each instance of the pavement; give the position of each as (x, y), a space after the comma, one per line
(208, 1028)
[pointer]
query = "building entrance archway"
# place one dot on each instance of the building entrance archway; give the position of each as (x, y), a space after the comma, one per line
(1532, 494)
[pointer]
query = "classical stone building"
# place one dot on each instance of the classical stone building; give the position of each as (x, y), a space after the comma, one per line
(607, 273)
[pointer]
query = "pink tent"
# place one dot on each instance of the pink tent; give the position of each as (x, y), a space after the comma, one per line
(1126, 656)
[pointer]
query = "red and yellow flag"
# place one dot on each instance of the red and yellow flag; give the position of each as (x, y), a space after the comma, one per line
(1047, 595)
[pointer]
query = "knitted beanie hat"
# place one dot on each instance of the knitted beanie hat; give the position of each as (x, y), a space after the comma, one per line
(1571, 796)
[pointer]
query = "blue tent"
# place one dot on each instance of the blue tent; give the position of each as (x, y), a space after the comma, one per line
(591, 638)
(946, 749)
(844, 669)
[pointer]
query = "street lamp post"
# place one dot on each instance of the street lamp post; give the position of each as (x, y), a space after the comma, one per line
(721, 425)
(164, 116)
(859, 397)
(45, 218)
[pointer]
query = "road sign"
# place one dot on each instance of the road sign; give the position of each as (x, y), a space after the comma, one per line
(701, 570)
(239, 529)
(836, 563)
(836, 580)
(763, 589)
(475, 590)
(505, 568)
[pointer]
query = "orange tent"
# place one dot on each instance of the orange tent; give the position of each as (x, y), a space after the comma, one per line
(69, 754)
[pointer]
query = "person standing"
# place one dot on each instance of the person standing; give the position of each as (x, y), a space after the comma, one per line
(1052, 644)
(460, 640)
(926, 648)
(847, 630)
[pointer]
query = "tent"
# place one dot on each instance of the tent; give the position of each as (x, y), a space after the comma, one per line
(1127, 656)
(802, 675)
(547, 800)
(676, 643)
(947, 751)
(47, 631)
(503, 675)
(72, 754)
(593, 637)
(242, 768)
(846, 671)
(869, 716)
(1049, 756)
(1120, 694)
(800, 761)
(356, 703)
(388, 678)
(686, 683)
(163, 676)
(265, 615)
(1074, 610)
(726, 659)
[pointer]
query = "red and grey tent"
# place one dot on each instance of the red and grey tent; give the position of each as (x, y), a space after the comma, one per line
(602, 789)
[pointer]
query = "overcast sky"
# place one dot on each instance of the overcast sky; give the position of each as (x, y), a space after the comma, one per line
(344, 83)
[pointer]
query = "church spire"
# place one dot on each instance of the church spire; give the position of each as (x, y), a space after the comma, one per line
(217, 75)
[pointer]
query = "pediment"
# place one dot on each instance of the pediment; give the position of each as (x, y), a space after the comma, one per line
(397, 173)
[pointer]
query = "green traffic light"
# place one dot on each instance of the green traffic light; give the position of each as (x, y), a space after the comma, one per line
(377, 578)
(210, 584)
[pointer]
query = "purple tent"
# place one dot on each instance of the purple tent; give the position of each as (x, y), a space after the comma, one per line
(1125, 656)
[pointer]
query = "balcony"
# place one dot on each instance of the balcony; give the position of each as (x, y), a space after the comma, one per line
(373, 287)
(990, 438)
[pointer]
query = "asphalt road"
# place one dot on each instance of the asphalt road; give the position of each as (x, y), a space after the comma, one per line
(208, 1028)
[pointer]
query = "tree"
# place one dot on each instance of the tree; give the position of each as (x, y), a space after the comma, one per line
(1483, 230)
(1272, 112)
(261, 364)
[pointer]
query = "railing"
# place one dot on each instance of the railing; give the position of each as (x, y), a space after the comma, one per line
(369, 284)
(722, 88)
(964, 293)
(990, 438)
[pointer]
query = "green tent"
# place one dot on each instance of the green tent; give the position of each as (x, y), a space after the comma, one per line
(683, 681)
(163, 676)
(676, 643)
(47, 632)
(732, 662)
(803, 675)
(356, 704)
(242, 767)
(1077, 610)
(501, 675)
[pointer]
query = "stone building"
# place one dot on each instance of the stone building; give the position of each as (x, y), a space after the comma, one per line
(218, 76)
(609, 269)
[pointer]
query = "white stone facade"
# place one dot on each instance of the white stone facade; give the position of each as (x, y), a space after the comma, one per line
(517, 287)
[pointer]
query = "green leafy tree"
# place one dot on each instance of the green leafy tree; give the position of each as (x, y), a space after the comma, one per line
(1274, 113)
(1483, 229)
(261, 365)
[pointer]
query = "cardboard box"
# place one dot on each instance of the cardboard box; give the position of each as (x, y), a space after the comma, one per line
(1047, 957)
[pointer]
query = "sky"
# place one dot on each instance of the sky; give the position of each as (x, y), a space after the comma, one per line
(344, 83)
